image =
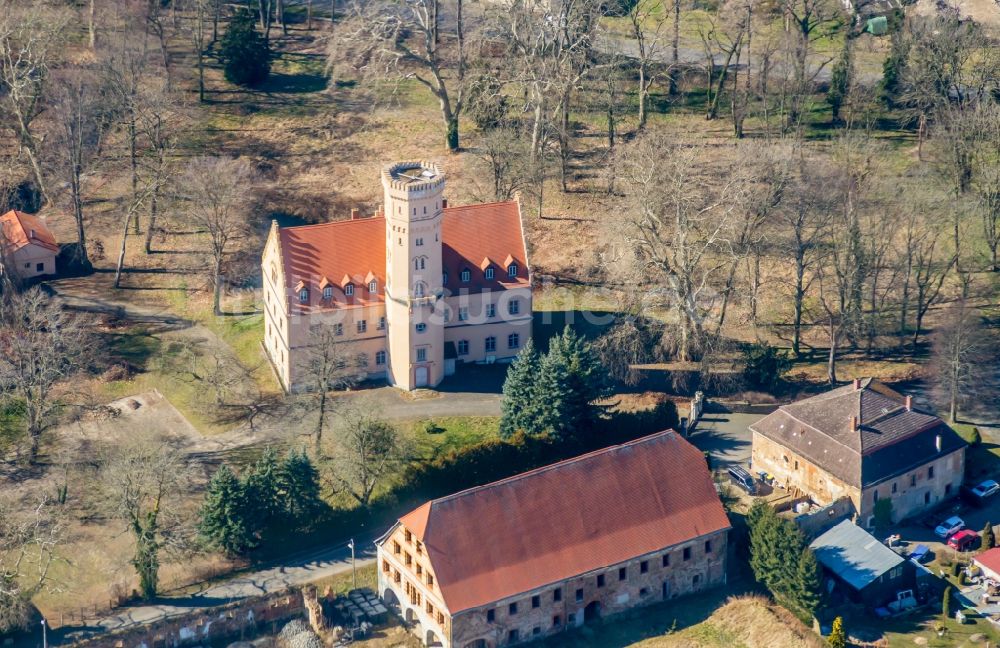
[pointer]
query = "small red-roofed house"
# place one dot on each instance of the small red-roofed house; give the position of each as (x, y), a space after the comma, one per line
(556, 547)
(413, 291)
(989, 562)
(27, 247)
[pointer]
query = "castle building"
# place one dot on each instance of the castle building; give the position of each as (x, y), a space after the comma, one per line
(410, 293)
(554, 548)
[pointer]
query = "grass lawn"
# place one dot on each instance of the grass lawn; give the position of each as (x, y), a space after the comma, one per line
(435, 437)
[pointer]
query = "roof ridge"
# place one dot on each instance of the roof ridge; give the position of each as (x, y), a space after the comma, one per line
(478, 205)
(363, 219)
(558, 464)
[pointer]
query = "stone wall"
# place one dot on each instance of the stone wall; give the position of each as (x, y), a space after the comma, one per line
(242, 619)
(792, 470)
(916, 491)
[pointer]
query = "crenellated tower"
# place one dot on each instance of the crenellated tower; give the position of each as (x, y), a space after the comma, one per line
(413, 207)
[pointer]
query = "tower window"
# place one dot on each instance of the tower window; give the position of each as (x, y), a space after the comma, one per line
(512, 270)
(466, 276)
(444, 278)
(421, 327)
(419, 241)
(489, 273)
(349, 290)
(421, 355)
(419, 289)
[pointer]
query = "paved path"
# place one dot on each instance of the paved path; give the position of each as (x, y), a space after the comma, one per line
(306, 569)
(726, 435)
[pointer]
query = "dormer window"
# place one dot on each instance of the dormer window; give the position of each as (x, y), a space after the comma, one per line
(512, 270)
(489, 273)
(304, 295)
(349, 290)
(444, 278)
(328, 292)
(373, 287)
(466, 276)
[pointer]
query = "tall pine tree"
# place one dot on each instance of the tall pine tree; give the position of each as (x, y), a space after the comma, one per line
(224, 520)
(586, 379)
(299, 484)
(262, 485)
(519, 406)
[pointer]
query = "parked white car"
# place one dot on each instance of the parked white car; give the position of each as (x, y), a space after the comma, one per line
(949, 527)
(985, 489)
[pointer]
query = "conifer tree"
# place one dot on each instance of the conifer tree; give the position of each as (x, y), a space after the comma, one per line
(262, 485)
(299, 483)
(989, 538)
(586, 378)
(245, 52)
(519, 406)
(806, 592)
(223, 517)
(554, 397)
(838, 637)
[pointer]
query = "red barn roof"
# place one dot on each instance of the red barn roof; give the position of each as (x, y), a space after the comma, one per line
(543, 526)
(19, 229)
(353, 251)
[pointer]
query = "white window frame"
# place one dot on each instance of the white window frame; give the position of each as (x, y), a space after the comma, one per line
(489, 273)
(512, 270)
(349, 290)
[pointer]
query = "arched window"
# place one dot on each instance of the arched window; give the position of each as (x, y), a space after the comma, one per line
(512, 270)
(420, 263)
(327, 292)
(419, 289)
(373, 286)
(349, 290)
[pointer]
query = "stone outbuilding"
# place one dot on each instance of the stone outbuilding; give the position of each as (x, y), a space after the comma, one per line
(554, 548)
(864, 441)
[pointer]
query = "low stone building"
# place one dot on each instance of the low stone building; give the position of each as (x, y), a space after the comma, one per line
(27, 247)
(553, 548)
(864, 441)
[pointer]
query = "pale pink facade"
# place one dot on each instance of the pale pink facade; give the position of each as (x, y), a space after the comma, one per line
(450, 286)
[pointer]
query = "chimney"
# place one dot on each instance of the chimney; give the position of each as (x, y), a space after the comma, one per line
(444, 203)
(857, 384)
(937, 443)
(909, 403)
(355, 214)
(854, 423)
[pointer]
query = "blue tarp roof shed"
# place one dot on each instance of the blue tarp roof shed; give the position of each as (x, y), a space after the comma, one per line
(854, 555)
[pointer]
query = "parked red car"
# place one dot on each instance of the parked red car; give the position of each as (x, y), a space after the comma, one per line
(963, 540)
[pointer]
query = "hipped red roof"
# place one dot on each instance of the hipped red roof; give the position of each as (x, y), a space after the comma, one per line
(499, 540)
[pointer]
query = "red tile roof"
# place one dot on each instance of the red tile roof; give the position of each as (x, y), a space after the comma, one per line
(354, 249)
(543, 526)
(20, 229)
(989, 559)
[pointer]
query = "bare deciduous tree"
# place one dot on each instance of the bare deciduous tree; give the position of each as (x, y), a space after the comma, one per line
(369, 450)
(143, 479)
(963, 355)
(30, 37)
(41, 345)
(402, 38)
(29, 538)
(330, 367)
(217, 196)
